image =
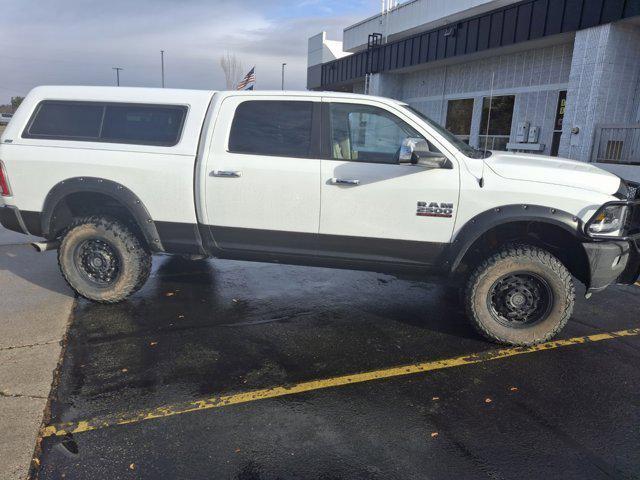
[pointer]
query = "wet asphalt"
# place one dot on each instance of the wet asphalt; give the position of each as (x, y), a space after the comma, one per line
(213, 327)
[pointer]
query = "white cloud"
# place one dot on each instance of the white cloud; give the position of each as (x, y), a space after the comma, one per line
(79, 41)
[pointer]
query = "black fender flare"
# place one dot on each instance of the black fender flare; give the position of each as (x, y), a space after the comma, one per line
(503, 215)
(118, 192)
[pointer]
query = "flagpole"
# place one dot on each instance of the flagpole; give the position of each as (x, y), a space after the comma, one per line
(283, 65)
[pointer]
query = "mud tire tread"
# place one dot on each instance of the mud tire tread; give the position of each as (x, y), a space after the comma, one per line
(535, 255)
(133, 251)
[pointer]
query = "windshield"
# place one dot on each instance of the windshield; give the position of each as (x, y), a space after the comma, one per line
(466, 150)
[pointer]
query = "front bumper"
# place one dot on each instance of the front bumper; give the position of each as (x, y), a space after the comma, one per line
(607, 261)
(616, 260)
(631, 273)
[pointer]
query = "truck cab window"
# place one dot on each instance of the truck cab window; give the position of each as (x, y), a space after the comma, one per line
(272, 127)
(363, 133)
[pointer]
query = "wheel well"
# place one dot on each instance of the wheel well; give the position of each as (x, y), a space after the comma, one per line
(82, 204)
(558, 241)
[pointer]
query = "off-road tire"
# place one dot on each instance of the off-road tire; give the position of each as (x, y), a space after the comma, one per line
(519, 259)
(134, 260)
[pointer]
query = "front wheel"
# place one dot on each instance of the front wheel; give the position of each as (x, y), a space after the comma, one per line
(522, 295)
(103, 260)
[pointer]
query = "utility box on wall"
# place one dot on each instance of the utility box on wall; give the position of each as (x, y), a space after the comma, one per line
(522, 133)
(534, 135)
(527, 138)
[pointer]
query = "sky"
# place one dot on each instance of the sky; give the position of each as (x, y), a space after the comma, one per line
(77, 42)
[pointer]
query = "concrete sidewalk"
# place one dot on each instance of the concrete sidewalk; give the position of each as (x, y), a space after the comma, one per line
(35, 305)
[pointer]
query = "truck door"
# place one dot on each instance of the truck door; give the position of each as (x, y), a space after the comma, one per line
(373, 208)
(263, 173)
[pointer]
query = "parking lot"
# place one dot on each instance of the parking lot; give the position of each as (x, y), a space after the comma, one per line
(223, 369)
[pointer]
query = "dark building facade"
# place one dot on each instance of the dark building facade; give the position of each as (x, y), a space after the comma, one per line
(555, 77)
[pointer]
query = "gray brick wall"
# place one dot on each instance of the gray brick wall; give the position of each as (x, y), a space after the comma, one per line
(539, 109)
(600, 69)
(535, 76)
(603, 84)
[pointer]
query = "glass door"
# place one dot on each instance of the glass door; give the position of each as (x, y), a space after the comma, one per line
(557, 126)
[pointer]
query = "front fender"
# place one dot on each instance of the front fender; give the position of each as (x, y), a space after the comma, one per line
(503, 215)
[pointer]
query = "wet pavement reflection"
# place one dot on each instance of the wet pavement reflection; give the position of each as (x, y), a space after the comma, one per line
(200, 328)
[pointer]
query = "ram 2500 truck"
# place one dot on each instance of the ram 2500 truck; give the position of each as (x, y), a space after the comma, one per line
(111, 176)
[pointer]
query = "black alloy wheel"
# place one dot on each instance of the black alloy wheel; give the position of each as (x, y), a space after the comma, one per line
(520, 299)
(98, 261)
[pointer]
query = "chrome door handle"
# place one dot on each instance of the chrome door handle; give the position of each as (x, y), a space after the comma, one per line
(344, 181)
(226, 173)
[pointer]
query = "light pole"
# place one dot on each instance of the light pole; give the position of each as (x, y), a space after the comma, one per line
(283, 65)
(117, 69)
(162, 65)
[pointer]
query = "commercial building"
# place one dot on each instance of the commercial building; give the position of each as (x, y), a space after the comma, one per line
(556, 77)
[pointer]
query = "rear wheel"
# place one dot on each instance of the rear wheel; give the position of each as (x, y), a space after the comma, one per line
(103, 260)
(522, 295)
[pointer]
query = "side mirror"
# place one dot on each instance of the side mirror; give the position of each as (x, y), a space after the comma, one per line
(431, 160)
(409, 148)
(415, 151)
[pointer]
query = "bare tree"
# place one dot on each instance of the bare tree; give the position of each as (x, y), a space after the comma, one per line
(15, 102)
(232, 68)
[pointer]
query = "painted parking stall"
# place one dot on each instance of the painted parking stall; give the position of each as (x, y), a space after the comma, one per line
(242, 370)
(220, 401)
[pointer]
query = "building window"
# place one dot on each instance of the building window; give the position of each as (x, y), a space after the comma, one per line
(272, 127)
(459, 114)
(495, 126)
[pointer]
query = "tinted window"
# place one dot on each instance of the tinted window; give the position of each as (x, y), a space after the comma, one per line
(367, 134)
(459, 114)
(66, 120)
(495, 126)
(497, 114)
(108, 122)
(266, 127)
(154, 125)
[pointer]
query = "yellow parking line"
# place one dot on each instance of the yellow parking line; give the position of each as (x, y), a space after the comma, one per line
(280, 391)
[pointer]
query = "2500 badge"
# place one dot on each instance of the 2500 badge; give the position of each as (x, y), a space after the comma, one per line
(434, 209)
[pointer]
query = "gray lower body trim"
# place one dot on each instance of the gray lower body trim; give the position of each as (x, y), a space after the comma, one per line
(335, 251)
(180, 238)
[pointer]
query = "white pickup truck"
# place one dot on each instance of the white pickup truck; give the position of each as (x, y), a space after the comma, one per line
(5, 118)
(110, 176)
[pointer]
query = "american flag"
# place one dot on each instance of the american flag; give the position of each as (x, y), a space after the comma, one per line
(249, 80)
